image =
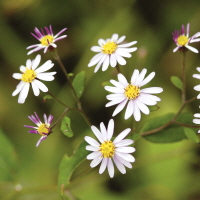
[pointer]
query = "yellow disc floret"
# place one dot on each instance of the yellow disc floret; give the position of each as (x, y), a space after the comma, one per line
(109, 48)
(28, 76)
(46, 40)
(107, 149)
(43, 129)
(182, 40)
(132, 92)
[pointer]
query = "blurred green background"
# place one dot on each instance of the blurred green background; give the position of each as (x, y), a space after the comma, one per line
(161, 171)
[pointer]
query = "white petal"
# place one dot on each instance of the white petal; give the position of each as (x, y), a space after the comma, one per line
(125, 149)
(129, 109)
(114, 37)
(140, 77)
(91, 141)
(105, 63)
(122, 80)
(128, 44)
(197, 87)
(46, 76)
(192, 49)
(116, 101)
(136, 113)
(29, 64)
(121, 39)
(110, 129)
(36, 62)
(112, 97)
(113, 60)
(122, 135)
(101, 42)
(118, 84)
(152, 90)
(175, 49)
(41, 86)
(114, 89)
(103, 165)
(17, 76)
(94, 155)
(18, 88)
(110, 167)
(103, 131)
(120, 107)
(196, 76)
(124, 142)
(95, 59)
(119, 165)
(134, 76)
(45, 67)
(95, 162)
(120, 59)
(97, 134)
(142, 107)
(35, 88)
(100, 62)
(147, 79)
(123, 53)
(22, 68)
(197, 115)
(92, 148)
(24, 93)
(124, 162)
(196, 121)
(96, 49)
(126, 156)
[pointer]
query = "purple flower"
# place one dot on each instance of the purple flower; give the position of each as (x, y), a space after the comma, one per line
(42, 129)
(182, 40)
(46, 40)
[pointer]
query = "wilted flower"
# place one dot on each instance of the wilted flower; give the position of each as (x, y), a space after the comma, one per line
(30, 76)
(108, 151)
(132, 94)
(42, 129)
(182, 40)
(47, 40)
(110, 52)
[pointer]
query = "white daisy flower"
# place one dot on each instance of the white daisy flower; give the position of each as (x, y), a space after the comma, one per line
(110, 52)
(47, 40)
(108, 151)
(197, 87)
(182, 40)
(30, 75)
(197, 121)
(132, 94)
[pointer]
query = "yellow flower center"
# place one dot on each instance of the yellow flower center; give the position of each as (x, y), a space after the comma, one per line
(132, 92)
(43, 129)
(28, 76)
(46, 40)
(107, 149)
(182, 40)
(109, 48)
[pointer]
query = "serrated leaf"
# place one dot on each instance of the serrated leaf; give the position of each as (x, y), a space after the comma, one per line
(66, 127)
(8, 159)
(172, 133)
(177, 82)
(47, 97)
(191, 135)
(78, 83)
(69, 164)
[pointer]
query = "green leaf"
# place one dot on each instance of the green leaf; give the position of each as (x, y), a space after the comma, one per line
(153, 108)
(69, 164)
(177, 82)
(8, 159)
(47, 97)
(78, 83)
(191, 135)
(172, 133)
(136, 136)
(66, 127)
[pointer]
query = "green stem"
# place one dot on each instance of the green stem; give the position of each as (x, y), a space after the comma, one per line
(58, 100)
(171, 121)
(183, 57)
(60, 118)
(68, 78)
